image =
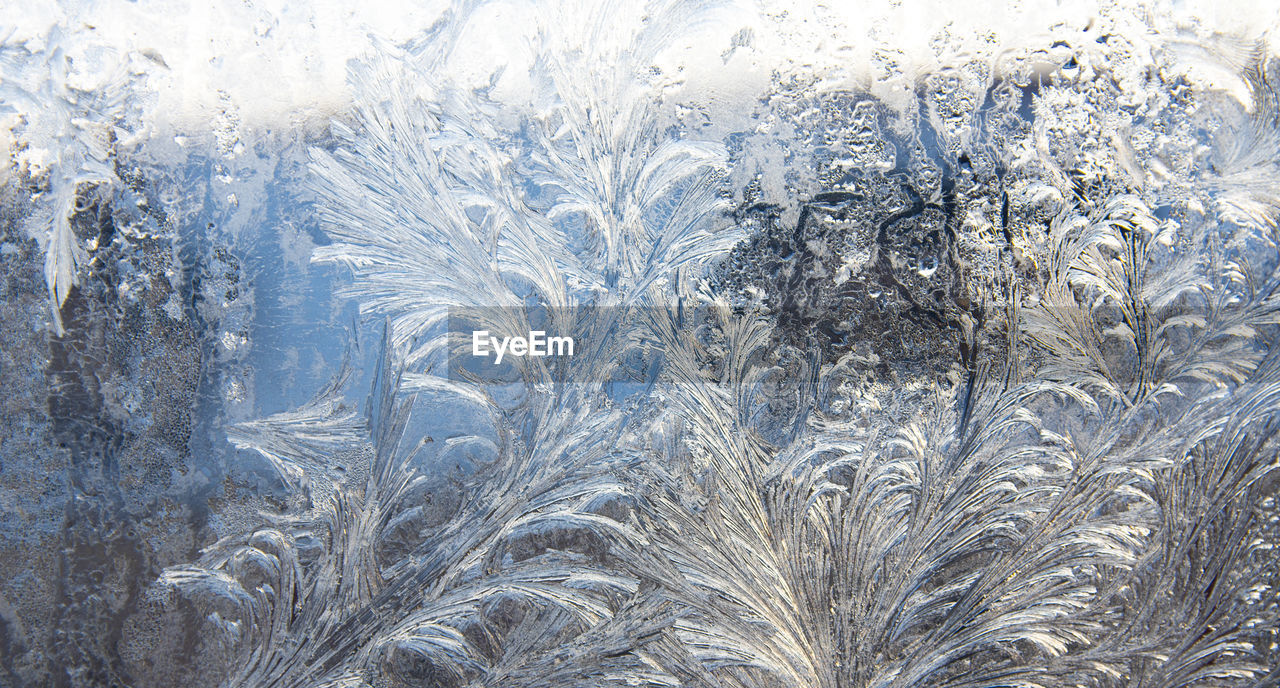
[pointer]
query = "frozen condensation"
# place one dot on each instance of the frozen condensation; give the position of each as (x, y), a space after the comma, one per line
(917, 344)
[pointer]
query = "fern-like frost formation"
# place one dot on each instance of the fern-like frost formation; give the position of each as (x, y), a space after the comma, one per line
(895, 372)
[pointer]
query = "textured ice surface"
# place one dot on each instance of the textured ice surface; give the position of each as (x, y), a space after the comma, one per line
(921, 345)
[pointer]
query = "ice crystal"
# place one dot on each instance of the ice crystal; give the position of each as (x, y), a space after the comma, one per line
(73, 130)
(945, 365)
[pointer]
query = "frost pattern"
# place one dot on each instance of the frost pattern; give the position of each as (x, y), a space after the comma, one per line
(1075, 492)
(70, 132)
(536, 575)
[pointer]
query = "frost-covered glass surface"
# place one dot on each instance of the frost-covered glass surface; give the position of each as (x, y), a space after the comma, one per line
(915, 344)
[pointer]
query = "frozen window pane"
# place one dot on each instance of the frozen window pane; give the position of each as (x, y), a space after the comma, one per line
(648, 344)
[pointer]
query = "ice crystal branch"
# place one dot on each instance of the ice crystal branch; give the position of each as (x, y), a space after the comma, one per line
(69, 133)
(422, 200)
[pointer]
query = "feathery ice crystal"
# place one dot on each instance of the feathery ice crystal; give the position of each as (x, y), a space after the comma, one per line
(957, 367)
